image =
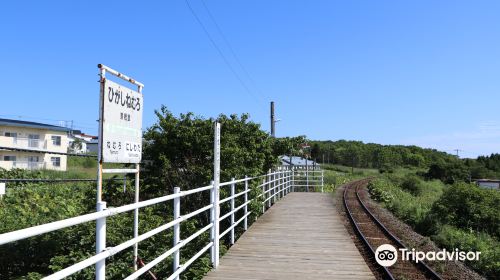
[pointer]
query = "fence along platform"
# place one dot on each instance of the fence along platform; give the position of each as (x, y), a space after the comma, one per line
(301, 237)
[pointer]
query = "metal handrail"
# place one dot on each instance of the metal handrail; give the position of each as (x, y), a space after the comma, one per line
(276, 185)
(41, 229)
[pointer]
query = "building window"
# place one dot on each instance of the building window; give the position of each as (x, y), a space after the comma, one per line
(56, 161)
(10, 134)
(33, 140)
(56, 140)
(33, 158)
(9, 158)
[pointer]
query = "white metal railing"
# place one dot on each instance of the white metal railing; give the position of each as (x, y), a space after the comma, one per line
(272, 186)
(276, 184)
(308, 179)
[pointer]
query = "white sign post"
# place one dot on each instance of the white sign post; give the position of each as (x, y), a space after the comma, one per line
(120, 141)
(121, 124)
(2, 189)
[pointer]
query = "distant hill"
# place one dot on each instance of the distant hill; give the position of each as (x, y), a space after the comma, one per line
(387, 157)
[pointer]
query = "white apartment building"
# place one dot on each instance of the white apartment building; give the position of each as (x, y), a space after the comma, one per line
(81, 143)
(27, 145)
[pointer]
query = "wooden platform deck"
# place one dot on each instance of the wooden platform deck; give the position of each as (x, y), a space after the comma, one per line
(301, 237)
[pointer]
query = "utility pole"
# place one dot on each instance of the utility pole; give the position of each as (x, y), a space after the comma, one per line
(273, 122)
(457, 150)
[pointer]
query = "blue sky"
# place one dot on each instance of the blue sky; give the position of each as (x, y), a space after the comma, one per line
(391, 72)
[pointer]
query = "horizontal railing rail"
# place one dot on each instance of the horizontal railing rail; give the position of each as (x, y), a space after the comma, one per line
(270, 187)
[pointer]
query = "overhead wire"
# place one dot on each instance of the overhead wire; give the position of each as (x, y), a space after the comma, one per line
(219, 29)
(219, 51)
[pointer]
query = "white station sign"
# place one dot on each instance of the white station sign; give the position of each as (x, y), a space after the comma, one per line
(121, 124)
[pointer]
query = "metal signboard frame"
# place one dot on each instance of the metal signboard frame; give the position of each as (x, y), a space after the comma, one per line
(128, 138)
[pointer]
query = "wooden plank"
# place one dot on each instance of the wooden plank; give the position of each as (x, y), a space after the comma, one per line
(301, 237)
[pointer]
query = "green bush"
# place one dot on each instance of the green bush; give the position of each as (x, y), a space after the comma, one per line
(460, 216)
(379, 191)
(181, 151)
(413, 184)
(448, 172)
(408, 207)
(469, 207)
(86, 162)
(450, 238)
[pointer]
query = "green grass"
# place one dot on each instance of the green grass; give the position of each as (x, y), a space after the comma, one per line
(337, 175)
(416, 202)
(348, 169)
(81, 168)
(407, 206)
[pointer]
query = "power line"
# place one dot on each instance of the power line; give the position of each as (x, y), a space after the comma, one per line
(219, 51)
(219, 29)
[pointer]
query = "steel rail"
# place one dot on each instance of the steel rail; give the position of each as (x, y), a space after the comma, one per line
(360, 234)
(427, 270)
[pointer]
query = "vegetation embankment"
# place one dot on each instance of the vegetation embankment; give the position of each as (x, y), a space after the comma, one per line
(460, 215)
(432, 192)
(338, 175)
(388, 158)
(180, 152)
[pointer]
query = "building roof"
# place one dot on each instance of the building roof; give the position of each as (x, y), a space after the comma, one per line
(293, 160)
(487, 180)
(19, 123)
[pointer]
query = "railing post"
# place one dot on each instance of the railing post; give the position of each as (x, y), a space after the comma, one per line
(279, 185)
(263, 194)
(293, 180)
(269, 190)
(136, 216)
(212, 221)
(274, 186)
(215, 198)
(177, 230)
(245, 224)
(100, 267)
(287, 181)
(283, 183)
(214, 233)
(232, 209)
(322, 183)
(307, 177)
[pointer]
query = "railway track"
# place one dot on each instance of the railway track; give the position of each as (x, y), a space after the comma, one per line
(373, 234)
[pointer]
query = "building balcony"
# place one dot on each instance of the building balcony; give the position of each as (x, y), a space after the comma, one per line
(30, 165)
(23, 143)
